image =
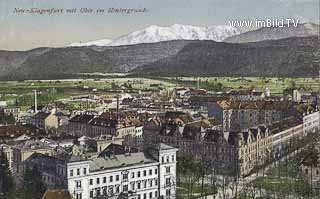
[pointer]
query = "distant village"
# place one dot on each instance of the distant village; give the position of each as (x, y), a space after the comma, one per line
(131, 145)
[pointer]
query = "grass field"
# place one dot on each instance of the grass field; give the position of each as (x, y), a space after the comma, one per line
(58, 89)
(276, 85)
(21, 93)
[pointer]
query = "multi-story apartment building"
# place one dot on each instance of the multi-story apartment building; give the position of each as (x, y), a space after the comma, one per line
(255, 147)
(24, 150)
(202, 139)
(305, 96)
(240, 151)
(248, 94)
(138, 175)
(311, 122)
(283, 132)
(48, 121)
(240, 115)
(14, 111)
(108, 123)
(53, 170)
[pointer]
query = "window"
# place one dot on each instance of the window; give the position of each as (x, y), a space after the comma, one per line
(111, 178)
(139, 197)
(138, 174)
(168, 192)
(150, 183)
(105, 190)
(156, 194)
(167, 158)
(125, 188)
(172, 157)
(139, 185)
(117, 177)
(125, 176)
(79, 196)
(91, 194)
(150, 195)
(104, 179)
(132, 175)
(167, 181)
(167, 169)
(91, 181)
(98, 192)
(162, 159)
(156, 182)
(117, 189)
(78, 184)
(84, 171)
(145, 184)
(78, 171)
(144, 196)
(156, 171)
(71, 172)
(98, 180)
(144, 173)
(150, 172)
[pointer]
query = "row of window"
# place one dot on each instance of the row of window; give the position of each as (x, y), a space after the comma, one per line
(110, 190)
(78, 172)
(167, 158)
(125, 176)
(97, 193)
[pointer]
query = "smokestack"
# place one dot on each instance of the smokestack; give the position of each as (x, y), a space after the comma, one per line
(117, 108)
(35, 102)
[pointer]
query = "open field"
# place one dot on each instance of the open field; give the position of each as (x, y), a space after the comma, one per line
(50, 90)
(21, 93)
(276, 85)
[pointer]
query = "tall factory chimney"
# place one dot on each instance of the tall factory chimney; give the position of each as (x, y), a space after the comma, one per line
(117, 108)
(35, 102)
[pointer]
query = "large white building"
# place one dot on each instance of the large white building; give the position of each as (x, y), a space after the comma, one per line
(116, 173)
(311, 122)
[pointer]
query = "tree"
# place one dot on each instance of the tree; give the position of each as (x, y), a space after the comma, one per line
(6, 179)
(32, 185)
(312, 161)
(7, 119)
(190, 170)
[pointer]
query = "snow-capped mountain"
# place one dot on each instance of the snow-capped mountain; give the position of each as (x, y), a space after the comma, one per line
(153, 34)
(102, 42)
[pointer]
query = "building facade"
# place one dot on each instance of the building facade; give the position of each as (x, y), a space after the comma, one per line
(139, 175)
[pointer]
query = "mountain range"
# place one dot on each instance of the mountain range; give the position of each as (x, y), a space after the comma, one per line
(275, 33)
(291, 56)
(153, 34)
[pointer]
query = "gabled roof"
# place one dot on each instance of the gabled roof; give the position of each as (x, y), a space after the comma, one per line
(41, 115)
(116, 149)
(284, 124)
(82, 118)
(33, 145)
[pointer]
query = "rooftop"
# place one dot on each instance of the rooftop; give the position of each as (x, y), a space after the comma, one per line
(57, 194)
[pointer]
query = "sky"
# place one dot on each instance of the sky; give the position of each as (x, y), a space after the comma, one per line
(27, 31)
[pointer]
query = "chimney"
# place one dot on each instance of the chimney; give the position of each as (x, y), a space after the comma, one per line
(35, 102)
(117, 108)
